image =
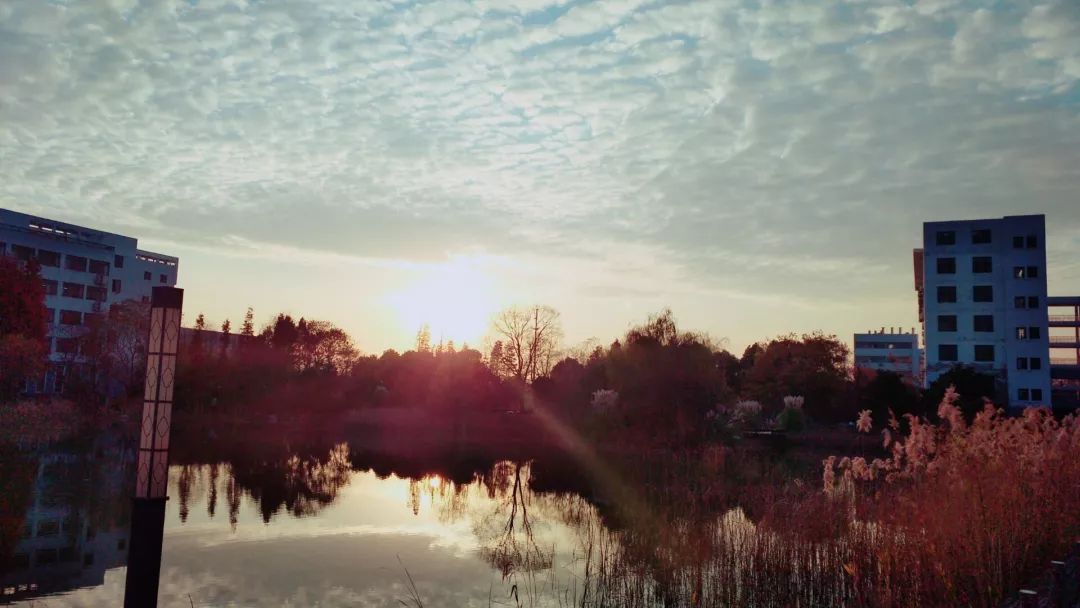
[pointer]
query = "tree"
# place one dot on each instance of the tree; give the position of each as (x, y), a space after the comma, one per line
(973, 386)
(813, 365)
(423, 339)
(226, 336)
(495, 359)
(283, 333)
(248, 328)
(531, 337)
(887, 391)
(22, 325)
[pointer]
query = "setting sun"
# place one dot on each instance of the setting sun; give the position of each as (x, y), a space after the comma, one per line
(455, 299)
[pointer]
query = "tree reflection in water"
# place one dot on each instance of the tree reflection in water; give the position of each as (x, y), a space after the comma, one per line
(505, 531)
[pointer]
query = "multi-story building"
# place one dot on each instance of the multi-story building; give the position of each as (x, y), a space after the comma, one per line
(983, 302)
(84, 272)
(1065, 350)
(895, 351)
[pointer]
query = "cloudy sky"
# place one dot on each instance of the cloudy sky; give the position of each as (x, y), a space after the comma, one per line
(759, 166)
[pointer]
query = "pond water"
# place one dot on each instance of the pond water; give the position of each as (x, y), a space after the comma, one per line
(292, 526)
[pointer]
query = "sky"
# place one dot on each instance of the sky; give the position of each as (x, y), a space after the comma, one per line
(760, 167)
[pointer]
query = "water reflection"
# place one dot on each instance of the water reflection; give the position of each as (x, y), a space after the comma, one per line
(63, 514)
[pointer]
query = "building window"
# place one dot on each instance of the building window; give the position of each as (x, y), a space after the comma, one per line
(1021, 363)
(946, 294)
(116, 286)
(50, 287)
(1036, 394)
(1032, 272)
(1033, 302)
(99, 267)
(1018, 242)
(1020, 302)
(67, 346)
(1021, 333)
(50, 315)
(48, 258)
(22, 252)
(75, 262)
(981, 237)
(118, 261)
(984, 353)
(984, 323)
(946, 237)
(946, 323)
(1034, 333)
(1023, 394)
(982, 264)
(948, 352)
(1036, 363)
(163, 279)
(1032, 241)
(96, 294)
(73, 290)
(982, 293)
(147, 276)
(70, 317)
(946, 265)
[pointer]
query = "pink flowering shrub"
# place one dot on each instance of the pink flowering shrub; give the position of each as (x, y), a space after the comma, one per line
(966, 514)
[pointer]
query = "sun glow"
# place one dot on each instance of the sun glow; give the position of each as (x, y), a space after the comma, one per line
(455, 299)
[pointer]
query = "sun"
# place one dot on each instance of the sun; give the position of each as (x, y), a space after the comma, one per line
(455, 299)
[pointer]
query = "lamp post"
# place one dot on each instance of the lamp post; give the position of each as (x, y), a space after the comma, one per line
(152, 477)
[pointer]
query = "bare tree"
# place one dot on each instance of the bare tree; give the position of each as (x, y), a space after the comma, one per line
(530, 340)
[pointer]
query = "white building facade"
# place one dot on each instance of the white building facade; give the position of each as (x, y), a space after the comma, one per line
(983, 302)
(84, 272)
(896, 351)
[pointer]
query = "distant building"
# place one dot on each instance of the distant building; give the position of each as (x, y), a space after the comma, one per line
(983, 302)
(84, 271)
(1064, 315)
(895, 351)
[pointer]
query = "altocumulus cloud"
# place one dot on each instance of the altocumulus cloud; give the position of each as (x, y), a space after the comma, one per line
(759, 145)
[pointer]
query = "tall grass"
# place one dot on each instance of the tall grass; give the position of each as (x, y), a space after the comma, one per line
(955, 514)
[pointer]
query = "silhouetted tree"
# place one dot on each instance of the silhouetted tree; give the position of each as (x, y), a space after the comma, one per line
(22, 325)
(813, 365)
(531, 337)
(423, 339)
(973, 386)
(248, 328)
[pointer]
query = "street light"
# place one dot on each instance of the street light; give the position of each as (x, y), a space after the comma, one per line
(152, 477)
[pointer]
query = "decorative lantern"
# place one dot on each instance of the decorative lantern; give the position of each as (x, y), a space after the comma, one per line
(153, 472)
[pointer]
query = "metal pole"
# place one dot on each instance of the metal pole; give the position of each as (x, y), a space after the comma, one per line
(152, 478)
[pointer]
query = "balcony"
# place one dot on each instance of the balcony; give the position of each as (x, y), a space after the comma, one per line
(1064, 321)
(1064, 342)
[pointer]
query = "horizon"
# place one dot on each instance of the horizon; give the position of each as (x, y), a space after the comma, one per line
(760, 171)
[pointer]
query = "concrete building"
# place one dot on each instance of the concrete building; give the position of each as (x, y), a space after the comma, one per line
(1064, 315)
(896, 351)
(983, 302)
(84, 271)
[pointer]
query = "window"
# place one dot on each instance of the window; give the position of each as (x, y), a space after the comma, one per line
(75, 262)
(946, 323)
(1018, 242)
(1021, 333)
(1034, 333)
(946, 237)
(984, 323)
(984, 353)
(946, 265)
(1036, 394)
(50, 287)
(163, 279)
(948, 352)
(116, 287)
(982, 293)
(1036, 363)
(48, 258)
(1023, 394)
(99, 267)
(1020, 302)
(96, 294)
(50, 315)
(147, 276)
(1032, 241)
(67, 346)
(49, 527)
(118, 261)
(981, 237)
(1032, 272)
(1033, 302)
(1021, 363)
(73, 290)
(946, 294)
(1019, 272)
(982, 264)
(70, 317)
(22, 252)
